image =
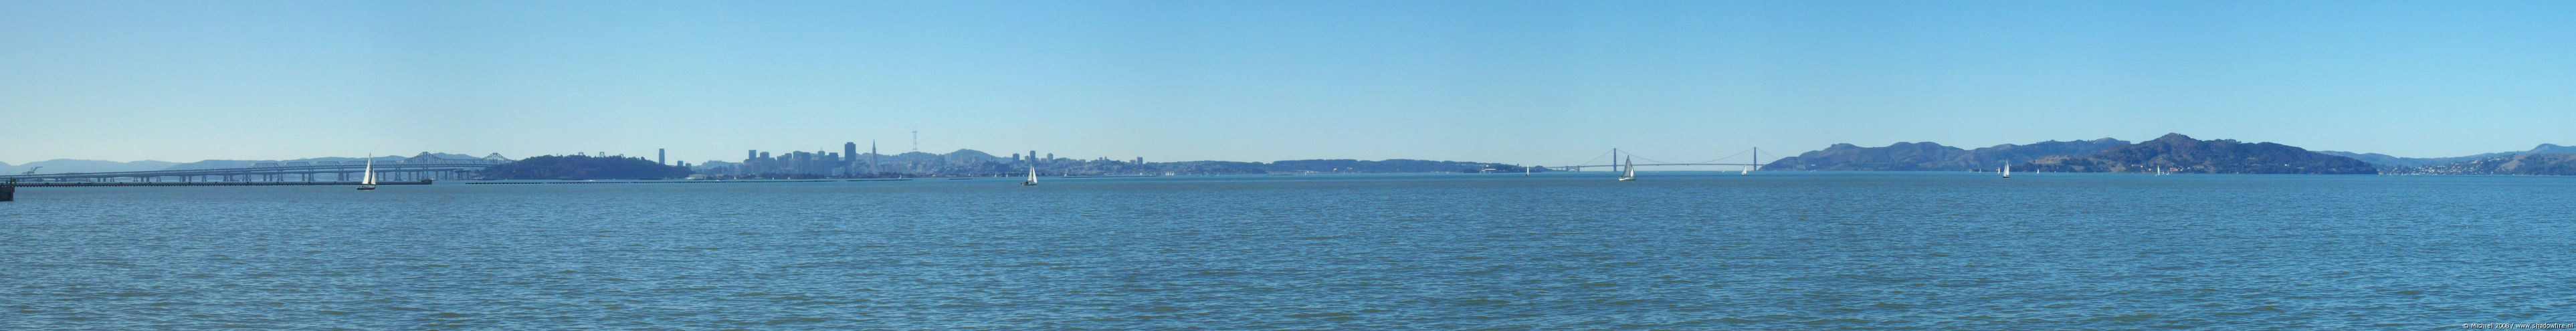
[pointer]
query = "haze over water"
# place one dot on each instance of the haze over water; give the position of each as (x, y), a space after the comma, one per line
(1821, 250)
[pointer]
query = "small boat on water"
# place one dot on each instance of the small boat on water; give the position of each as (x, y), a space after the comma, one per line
(1033, 176)
(1631, 173)
(2007, 171)
(367, 181)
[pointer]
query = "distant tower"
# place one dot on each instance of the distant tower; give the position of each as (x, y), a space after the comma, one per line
(872, 156)
(916, 139)
(662, 155)
(1033, 156)
(850, 149)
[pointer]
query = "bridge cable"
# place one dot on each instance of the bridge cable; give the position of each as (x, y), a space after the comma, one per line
(1728, 157)
(1647, 159)
(1587, 163)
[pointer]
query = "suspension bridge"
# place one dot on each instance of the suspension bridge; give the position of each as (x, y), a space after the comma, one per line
(1749, 158)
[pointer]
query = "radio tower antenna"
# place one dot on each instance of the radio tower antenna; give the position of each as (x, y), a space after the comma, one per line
(916, 139)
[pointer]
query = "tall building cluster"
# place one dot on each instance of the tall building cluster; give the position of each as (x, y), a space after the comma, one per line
(850, 161)
(797, 162)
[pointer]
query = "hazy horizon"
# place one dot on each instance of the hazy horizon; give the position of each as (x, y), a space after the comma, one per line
(1768, 155)
(1536, 83)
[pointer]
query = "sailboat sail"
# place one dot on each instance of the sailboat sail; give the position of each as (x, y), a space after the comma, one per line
(367, 181)
(1631, 172)
(1033, 175)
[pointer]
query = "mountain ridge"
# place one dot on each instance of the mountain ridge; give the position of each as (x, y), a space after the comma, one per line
(1929, 156)
(2178, 153)
(2388, 161)
(56, 166)
(2553, 164)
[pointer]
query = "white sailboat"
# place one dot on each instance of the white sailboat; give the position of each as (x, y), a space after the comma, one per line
(1631, 174)
(1748, 171)
(367, 181)
(1033, 176)
(2007, 171)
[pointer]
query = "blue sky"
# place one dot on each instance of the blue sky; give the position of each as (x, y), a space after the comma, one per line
(1502, 81)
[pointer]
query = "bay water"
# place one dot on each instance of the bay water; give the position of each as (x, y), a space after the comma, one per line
(1675, 250)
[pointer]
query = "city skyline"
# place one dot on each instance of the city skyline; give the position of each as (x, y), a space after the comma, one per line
(1534, 83)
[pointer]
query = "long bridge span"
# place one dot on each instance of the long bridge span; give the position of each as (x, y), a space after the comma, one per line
(310, 173)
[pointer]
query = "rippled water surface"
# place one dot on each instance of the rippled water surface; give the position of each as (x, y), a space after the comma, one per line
(1554, 251)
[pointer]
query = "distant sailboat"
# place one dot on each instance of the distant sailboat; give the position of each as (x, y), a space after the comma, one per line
(2007, 171)
(1033, 176)
(1631, 174)
(367, 182)
(1748, 171)
(1524, 171)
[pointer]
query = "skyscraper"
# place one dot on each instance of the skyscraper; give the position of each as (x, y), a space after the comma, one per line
(661, 155)
(850, 153)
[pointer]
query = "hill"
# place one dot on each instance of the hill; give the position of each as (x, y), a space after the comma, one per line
(225, 164)
(57, 166)
(2557, 164)
(579, 167)
(1926, 156)
(2182, 154)
(2386, 161)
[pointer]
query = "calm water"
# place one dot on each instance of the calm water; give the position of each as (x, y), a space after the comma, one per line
(1555, 251)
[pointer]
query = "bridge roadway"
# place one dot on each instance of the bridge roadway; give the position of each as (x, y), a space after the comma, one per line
(385, 172)
(1615, 166)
